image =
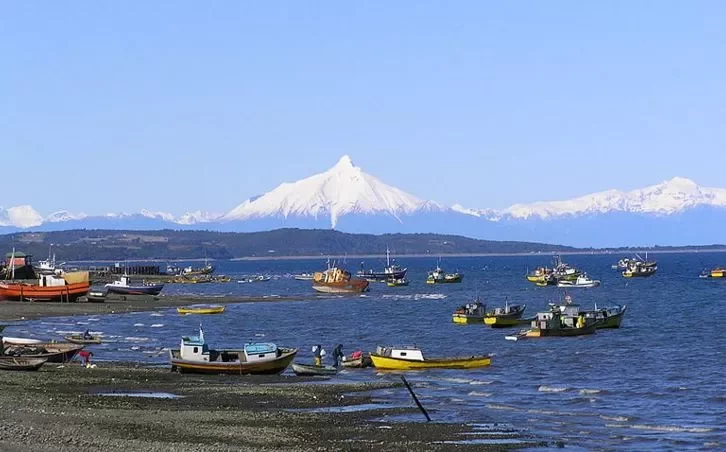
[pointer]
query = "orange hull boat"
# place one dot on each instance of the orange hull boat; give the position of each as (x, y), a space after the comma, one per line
(21, 292)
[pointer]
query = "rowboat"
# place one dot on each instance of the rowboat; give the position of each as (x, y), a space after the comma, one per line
(194, 356)
(304, 277)
(303, 370)
(411, 358)
(61, 352)
(357, 360)
(21, 363)
(79, 339)
(200, 309)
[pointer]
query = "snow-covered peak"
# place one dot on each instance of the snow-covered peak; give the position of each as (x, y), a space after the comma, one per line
(668, 197)
(343, 189)
(157, 215)
(20, 217)
(61, 216)
(197, 217)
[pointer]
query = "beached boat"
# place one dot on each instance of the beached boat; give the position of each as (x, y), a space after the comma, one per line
(473, 312)
(560, 320)
(439, 276)
(400, 282)
(54, 352)
(80, 339)
(125, 286)
(411, 358)
(502, 317)
(336, 280)
(303, 370)
(194, 356)
(357, 360)
(21, 363)
(390, 271)
(67, 287)
(200, 309)
(582, 281)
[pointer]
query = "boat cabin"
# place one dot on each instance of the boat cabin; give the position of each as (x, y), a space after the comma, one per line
(194, 348)
(331, 275)
(51, 281)
(405, 352)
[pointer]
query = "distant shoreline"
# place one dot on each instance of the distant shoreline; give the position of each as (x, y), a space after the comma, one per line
(419, 255)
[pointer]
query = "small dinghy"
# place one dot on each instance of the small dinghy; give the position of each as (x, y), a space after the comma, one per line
(200, 310)
(80, 339)
(21, 363)
(306, 370)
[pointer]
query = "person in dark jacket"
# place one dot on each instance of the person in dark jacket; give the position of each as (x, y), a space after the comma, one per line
(338, 355)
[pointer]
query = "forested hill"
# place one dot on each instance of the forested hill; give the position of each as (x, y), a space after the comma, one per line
(169, 244)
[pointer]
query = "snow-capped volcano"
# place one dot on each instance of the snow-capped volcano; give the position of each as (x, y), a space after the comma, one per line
(669, 197)
(342, 190)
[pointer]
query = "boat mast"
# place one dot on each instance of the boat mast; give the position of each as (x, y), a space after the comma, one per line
(12, 265)
(388, 257)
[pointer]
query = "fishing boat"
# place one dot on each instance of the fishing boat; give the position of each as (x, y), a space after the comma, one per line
(21, 363)
(502, 317)
(96, 296)
(304, 277)
(390, 271)
(337, 280)
(48, 266)
(718, 272)
(639, 269)
(400, 282)
(200, 309)
(125, 286)
(81, 339)
(539, 275)
(207, 269)
(582, 281)
(411, 358)
(439, 276)
(253, 279)
(560, 320)
(54, 352)
(473, 312)
(66, 287)
(357, 360)
(194, 356)
(306, 370)
(610, 317)
(563, 271)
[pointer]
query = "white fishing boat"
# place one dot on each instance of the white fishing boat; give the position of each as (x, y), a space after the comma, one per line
(582, 281)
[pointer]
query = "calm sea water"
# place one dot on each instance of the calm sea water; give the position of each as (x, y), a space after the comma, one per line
(657, 382)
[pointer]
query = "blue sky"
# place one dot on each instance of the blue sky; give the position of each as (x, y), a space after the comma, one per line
(182, 106)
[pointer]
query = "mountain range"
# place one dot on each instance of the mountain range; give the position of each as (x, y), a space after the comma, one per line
(674, 212)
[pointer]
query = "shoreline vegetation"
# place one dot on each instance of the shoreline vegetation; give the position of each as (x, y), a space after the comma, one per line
(282, 244)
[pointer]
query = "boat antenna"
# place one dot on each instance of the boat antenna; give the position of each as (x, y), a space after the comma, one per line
(388, 257)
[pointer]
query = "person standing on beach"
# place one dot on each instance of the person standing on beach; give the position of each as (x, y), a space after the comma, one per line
(85, 356)
(338, 355)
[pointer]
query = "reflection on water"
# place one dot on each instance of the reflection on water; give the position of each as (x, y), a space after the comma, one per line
(656, 382)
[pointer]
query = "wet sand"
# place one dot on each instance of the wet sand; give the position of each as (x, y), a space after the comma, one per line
(59, 408)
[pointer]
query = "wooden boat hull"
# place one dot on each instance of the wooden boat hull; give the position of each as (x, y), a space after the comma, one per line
(20, 292)
(358, 363)
(351, 286)
(310, 370)
(611, 321)
(453, 280)
(273, 366)
(78, 339)
(54, 352)
(208, 310)
(388, 363)
(21, 363)
(467, 319)
(151, 289)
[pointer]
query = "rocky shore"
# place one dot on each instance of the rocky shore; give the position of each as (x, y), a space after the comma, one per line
(69, 407)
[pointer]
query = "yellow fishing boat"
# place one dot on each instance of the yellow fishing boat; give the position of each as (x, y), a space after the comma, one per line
(411, 358)
(200, 309)
(719, 272)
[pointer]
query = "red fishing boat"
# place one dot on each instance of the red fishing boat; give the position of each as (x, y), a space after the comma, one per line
(67, 287)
